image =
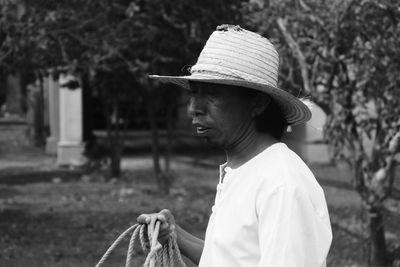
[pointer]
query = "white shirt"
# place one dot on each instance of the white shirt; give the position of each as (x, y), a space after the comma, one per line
(269, 212)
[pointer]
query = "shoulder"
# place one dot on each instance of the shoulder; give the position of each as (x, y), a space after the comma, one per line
(282, 165)
(284, 171)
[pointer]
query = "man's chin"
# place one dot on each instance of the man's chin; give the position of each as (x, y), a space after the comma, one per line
(211, 142)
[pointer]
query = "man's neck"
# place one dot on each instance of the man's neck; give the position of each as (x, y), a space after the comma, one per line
(244, 151)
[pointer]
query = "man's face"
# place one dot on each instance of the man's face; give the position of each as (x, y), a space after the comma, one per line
(221, 114)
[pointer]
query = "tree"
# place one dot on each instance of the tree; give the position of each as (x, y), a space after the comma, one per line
(172, 35)
(23, 54)
(345, 55)
(97, 39)
(71, 36)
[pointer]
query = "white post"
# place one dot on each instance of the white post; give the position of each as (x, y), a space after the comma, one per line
(54, 115)
(70, 146)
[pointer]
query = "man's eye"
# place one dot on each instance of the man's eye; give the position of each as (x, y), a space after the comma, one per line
(190, 93)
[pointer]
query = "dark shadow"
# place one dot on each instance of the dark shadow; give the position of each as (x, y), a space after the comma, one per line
(395, 193)
(18, 176)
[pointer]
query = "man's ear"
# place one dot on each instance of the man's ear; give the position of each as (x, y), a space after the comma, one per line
(260, 103)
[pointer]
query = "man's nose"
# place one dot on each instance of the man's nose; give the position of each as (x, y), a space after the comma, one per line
(196, 107)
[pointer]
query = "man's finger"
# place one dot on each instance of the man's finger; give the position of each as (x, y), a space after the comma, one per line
(164, 226)
(161, 217)
(143, 218)
(167, 214)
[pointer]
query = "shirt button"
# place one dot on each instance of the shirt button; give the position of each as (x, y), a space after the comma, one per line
(228, 169)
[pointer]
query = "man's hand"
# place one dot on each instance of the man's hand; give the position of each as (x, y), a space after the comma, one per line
(167, 224)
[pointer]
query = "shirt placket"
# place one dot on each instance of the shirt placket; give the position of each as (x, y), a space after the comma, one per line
(225, 173)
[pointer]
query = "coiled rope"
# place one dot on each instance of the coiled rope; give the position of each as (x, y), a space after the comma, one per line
(167, 255)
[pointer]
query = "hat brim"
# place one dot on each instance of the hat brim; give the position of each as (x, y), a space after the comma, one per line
(294, 110)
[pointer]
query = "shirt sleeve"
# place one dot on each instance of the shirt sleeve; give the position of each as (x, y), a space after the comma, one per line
(291, 231)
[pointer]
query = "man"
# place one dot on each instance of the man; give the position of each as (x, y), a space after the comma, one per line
(269, 210)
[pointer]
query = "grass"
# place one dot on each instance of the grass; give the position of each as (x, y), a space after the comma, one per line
(72, 221)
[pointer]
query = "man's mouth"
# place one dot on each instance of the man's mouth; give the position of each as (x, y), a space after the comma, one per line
(201, 129)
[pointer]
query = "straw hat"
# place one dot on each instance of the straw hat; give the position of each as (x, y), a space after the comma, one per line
(234, 56)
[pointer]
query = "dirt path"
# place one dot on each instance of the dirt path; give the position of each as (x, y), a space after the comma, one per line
(71, 221)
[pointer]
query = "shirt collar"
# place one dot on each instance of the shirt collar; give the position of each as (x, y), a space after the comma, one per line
(222, 171)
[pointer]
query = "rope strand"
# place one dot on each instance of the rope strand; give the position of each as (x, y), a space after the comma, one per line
(167, 255)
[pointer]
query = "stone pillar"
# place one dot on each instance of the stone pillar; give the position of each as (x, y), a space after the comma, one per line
(307, 139)
(70, 146)
(54, 115)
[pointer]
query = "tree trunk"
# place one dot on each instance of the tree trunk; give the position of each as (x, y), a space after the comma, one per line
(115, 140)
(155, 147)
(87, 91)
(378, 253)
(161, 178)
(168, 149)
(115, 168)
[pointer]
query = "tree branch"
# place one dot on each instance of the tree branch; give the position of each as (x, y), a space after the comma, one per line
(294, 46)
(303, 5)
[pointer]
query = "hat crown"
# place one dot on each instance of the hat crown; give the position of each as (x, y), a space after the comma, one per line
(235, 53)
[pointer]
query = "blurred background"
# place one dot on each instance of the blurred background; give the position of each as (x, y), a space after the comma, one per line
(88, 142)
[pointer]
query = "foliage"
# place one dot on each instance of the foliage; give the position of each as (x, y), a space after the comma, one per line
(115, 45)
(345, 55)
(173, 34)
(368, 96)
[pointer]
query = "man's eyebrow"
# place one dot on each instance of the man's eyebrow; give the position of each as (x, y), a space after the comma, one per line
(191, 90)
